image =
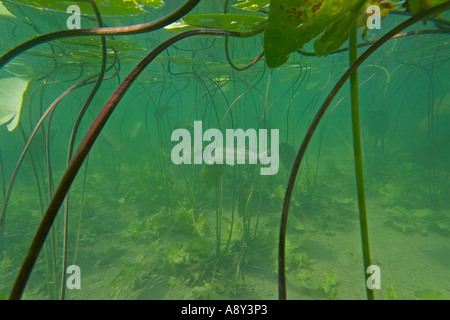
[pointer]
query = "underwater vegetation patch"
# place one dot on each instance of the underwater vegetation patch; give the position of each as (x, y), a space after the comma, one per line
(88, 115)
(431, 294)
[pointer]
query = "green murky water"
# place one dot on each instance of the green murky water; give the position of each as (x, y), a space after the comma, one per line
(141, 227)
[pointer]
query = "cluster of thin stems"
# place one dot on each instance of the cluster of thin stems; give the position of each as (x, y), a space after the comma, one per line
(76, 159)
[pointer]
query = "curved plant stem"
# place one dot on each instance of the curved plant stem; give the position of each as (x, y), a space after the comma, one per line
(293, 176)
(80, 217)
(235, 67)
(73, 138)
(126, 30)
(87, 143)
(27, 146)
(368, 43)
(249, 89)
(227, 52)
(440, 22)
(2, 174)
(357, 151)
(50, 268)
(219, 199)
(232, 214)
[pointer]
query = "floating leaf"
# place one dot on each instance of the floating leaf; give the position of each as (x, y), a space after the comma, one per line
(385, 8)
(418, 6)
(86, 50)
(293, 23)
(94, 43)
(92, 57)
(229, 22)
(106, 7)
(252, 5)
(12, 97)
(178, 26)
(5, 13)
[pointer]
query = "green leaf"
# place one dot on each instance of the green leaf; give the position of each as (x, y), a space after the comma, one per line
(418, 6)
(327, 44)
(252, 5)
(88, 50)
(5, 13)
(93, 43)
(385, 8)
(106, 7)
(179, 26)
(229, 22)
(294, 23)
(13, 95)
(413, 6)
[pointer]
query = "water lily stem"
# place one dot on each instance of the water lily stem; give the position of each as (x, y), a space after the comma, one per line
(282, 292)
(357, 150)
(88, 141)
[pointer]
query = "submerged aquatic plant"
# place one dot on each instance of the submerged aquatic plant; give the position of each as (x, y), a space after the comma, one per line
(431, 294)
(285, 31)
(306, 140)
(12, 96)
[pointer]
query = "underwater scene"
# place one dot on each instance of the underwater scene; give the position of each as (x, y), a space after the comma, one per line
(225, 149)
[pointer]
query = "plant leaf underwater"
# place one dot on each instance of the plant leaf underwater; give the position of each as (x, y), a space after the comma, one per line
(12, 98)
(294, 23)
(5, 13)
(252, 5)
(106, 7)
(230, 22)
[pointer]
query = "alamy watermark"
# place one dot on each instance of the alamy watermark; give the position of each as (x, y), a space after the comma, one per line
(74, 277)
(374, 19)
(219, 151)
(74, 21)
(374, 280)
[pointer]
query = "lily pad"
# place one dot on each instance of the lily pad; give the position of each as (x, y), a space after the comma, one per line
(294, 23)
(106, 7)
(94, 43)
(93, 57)
(5, 13)
(13, 95)
(252, 5)
(179, 26)
(85, 50)
(229, 22)
(417, 6)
